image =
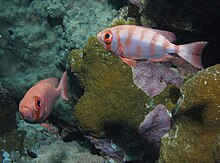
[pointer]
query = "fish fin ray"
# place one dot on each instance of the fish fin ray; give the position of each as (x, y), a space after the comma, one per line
(168, 35)
(130, 62)
(192, 53)
(63, 86)
(53, 81)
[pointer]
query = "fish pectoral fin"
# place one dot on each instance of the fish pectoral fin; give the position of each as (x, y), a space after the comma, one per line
(49, 127)
(130, 62)
(165, 58)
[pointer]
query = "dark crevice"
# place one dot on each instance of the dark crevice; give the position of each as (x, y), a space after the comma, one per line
(53, 22)
(118, 4)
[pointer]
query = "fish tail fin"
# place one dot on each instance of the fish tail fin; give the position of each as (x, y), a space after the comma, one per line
(62, 88)
(192, 53)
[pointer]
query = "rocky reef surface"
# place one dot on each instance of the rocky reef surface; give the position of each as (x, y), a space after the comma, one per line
(36, 36)
(119, 116)
(111, 94)
(64, 152)
(196, 123)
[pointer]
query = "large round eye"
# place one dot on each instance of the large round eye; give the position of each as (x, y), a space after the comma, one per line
(38, 103)
(108, 37)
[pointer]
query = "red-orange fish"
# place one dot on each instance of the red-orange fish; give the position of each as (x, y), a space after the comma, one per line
(39, 100)
(131, 43)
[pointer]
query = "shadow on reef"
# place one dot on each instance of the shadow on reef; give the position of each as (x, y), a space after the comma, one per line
(195, 112)
(132, 143)
(118, 4)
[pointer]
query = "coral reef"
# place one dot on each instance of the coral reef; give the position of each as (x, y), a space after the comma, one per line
(109, 149)
(216, 150)
(37, 35)
(79, 22)
(36, 135)
(7, 110)
(206, 100)
(156, 124)
(12, 141)
(59, 151)
(109, 95)
(106, 93)
(196, 122)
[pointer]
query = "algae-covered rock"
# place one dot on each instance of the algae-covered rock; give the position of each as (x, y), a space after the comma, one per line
(216, 150)
(201, 94)
(112, 105)
(12, 141)
(110, 95)
(196, 122)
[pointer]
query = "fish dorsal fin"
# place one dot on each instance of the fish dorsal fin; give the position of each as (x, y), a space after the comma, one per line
(168, 35)
(53, 81)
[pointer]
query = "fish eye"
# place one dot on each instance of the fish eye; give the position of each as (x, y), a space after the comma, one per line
(108, 37)
(37, 103)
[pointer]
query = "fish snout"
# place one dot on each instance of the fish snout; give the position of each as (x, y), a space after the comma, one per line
(99, 37)
(26, 114)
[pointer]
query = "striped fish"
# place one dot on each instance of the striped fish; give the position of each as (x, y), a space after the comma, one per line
(131, 43)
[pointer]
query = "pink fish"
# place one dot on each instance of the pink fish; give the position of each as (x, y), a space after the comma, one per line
(39, 100)
(132, 43)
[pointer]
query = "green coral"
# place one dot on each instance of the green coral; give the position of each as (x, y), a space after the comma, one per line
(203, 91)
(197, 121)
(110, 96)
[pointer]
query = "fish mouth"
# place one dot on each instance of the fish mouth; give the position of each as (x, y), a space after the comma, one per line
(99, 37)
(26, 114)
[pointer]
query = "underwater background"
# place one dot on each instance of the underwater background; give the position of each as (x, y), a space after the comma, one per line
(155, 112)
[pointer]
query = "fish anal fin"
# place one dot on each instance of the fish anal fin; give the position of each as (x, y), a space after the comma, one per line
(130, 62)
(168, 35)
(165, 58)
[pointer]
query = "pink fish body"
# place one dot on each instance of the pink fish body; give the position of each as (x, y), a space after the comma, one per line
(39, 100)
(131, 42)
